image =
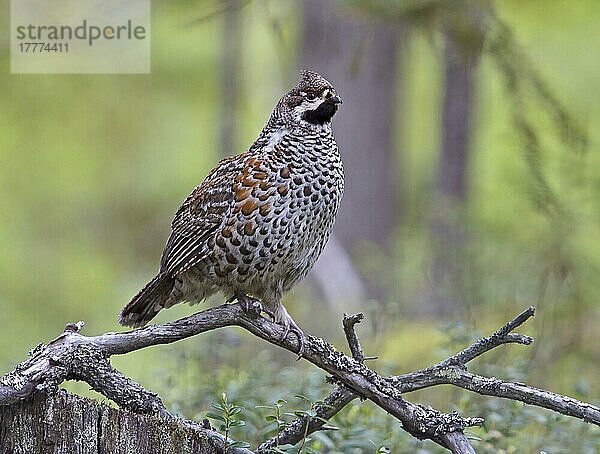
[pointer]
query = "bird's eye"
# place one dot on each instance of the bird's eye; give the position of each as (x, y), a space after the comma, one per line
(311, 96)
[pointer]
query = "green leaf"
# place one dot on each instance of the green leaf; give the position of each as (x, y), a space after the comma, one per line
(215, 416)
(235, 410)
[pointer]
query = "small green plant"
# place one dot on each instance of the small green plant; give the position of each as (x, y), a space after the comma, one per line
(280, 419)
(275, 418)
(311, 414)
(228, 417)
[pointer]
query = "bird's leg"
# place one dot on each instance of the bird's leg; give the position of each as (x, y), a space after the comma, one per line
(231, 300)
(283, 318)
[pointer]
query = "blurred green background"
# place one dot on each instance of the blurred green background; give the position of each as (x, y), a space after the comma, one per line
(456, 237)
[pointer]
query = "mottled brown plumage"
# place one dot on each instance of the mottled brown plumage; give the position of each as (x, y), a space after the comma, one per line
(258, 222)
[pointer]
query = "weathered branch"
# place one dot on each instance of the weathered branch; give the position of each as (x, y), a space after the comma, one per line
(296, 429)
(74, 356)
(452, 371)
(434, 375)
(333, 403)
(349, 322)
(457, 376)
(40, 370)
(503, 336)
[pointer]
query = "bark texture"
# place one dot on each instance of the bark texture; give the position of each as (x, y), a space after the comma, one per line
(73, 356)
(67, 424)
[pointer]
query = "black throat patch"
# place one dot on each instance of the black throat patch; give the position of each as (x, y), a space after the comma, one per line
(321, 114)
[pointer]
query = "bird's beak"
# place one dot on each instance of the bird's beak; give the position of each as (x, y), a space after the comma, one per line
(337, 100)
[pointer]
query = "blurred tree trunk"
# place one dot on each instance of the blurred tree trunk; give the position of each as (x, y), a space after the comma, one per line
(456, 123)
(359, 55)
(448, 272)
(231, 62)
(66, 424)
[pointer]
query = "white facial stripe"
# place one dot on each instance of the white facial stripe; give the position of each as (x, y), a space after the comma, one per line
(308, 105)
(313, 104)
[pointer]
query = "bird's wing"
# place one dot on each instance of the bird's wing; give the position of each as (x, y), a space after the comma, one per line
(199, 218)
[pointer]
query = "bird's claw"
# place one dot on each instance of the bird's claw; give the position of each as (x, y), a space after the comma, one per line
(290, 328)
(250, 305)
(254, 308)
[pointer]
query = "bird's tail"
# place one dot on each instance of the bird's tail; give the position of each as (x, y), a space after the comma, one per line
(148, 302)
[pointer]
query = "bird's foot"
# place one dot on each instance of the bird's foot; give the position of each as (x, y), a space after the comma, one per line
(283, 318)
(249, 305)
(253, 307)
(293, 328)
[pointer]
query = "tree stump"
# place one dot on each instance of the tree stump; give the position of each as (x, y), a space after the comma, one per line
(67, 424)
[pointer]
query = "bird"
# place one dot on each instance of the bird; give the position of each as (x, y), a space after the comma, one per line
(258, 222)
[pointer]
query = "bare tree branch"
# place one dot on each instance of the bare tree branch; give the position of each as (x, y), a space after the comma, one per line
(333, 403)
(39, 370)
(491, 386)
(349, 322)
(503, 336)
(295, 430)
(74, 356)
(452, 371)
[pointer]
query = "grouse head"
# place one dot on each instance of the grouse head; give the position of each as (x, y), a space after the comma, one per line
(312, 102)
